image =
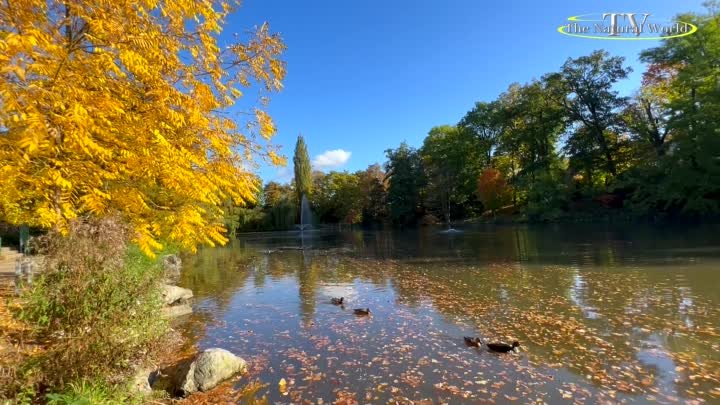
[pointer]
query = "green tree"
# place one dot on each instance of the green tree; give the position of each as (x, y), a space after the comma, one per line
(536, 122)
(686, 181)
(280, 207)
(303, 170)
(337, 197)
(485, 122)
(691, 65)
(591, 101)
(647, 117)
(405, 177)
(452, 160)
(374, 191)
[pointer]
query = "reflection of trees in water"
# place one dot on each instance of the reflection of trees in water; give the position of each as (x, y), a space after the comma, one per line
(280, 266)
(381, 244)
(260, 271)
(504, 286)
(308, 279)
(377, 244)
(521, 244)
(304, 266)
(215, 274)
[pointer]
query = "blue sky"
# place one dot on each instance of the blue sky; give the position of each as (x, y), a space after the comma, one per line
(365, 75)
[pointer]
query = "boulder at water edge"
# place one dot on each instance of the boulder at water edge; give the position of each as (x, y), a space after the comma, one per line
(209, 369)
(173, 294)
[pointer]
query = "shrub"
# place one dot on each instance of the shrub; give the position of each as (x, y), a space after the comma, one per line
(96, 303)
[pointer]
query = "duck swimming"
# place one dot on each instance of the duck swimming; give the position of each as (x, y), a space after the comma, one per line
(472, 341)
(503, 347)
(337, 301)
(362, 311)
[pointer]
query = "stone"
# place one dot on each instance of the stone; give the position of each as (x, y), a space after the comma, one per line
(175, 311)
(172, 264)
(209, 369)
(173, 294)
(140, 382)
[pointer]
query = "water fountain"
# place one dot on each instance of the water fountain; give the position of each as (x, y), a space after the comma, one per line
(305, 214)
(449, 229)
(304, 225)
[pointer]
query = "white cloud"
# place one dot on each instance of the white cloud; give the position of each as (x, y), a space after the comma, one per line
(331, 159)
(283, 175)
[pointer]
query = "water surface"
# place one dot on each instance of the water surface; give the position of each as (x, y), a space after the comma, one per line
(605, 315)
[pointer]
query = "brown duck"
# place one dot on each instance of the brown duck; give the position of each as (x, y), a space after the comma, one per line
(503, 347)
(472, 341)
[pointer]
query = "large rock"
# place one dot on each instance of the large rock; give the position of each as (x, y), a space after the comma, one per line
(176, 311)
(209, 369)
(173, 294)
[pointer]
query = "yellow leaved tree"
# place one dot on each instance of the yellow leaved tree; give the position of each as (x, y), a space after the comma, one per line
(124, 106)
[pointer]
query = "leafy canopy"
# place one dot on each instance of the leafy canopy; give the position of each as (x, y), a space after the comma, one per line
(122, 106)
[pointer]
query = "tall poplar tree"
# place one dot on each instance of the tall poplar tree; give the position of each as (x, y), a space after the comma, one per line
(303, 170)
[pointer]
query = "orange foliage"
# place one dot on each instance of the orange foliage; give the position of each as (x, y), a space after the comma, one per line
(493, 190)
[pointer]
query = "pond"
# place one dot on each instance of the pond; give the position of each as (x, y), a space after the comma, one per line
(604, 314)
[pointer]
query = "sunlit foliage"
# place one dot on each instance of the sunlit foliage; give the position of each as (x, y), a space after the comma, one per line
(123, 106)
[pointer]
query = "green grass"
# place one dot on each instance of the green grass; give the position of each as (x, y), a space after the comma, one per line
(93, 393)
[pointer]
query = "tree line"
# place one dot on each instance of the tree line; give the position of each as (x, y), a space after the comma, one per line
(566, 145)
